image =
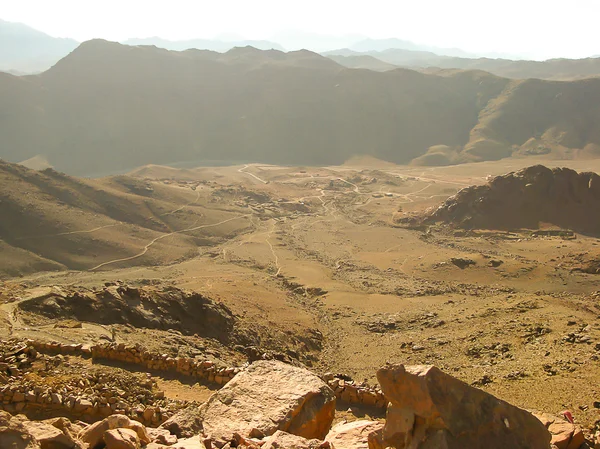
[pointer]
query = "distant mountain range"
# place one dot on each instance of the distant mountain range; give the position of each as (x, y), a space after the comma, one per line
(203, 44)
(108, 107)
(25, 50)
(552, 69)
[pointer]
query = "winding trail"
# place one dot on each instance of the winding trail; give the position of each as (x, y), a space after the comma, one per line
(184, 206)
(273, 249)
(241, 170)
(87, 231)
(160, 237)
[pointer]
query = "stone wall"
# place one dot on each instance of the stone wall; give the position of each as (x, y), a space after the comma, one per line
(14, 399)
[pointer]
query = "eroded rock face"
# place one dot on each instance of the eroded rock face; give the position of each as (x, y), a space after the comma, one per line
(560, 196)
(429, 409)
(266, 397)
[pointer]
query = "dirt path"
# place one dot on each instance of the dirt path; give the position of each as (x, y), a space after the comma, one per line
(87, 231)
(147, 247)
(241, 170)
(184, 206)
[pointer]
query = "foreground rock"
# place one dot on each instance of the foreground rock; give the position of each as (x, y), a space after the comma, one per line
(121, 439)
(353, 435)
(266, 397)
(284, 440)
(14, 435)
(94, 435)
(429, 410)
(564, 434)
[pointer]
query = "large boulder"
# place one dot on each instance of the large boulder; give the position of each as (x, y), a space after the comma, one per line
(266, 397)
(429, 409)
(353, 435)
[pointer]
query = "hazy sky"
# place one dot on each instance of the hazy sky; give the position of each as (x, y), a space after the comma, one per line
(538, 28)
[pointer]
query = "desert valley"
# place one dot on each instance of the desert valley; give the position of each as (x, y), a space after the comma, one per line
(259, 248)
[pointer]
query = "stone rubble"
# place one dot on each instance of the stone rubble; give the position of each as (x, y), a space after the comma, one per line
(268, 405)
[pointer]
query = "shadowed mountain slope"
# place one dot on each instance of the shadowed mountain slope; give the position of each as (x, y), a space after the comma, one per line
(108, 107)
(54, 221)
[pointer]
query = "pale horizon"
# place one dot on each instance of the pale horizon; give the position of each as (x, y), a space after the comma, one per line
(534, 29)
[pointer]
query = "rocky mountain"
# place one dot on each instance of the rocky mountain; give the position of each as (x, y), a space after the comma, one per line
(552, 69)
(527, 199)
(25, 50)
(108, 107)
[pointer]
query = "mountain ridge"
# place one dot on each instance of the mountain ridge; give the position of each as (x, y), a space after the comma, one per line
(96, 111)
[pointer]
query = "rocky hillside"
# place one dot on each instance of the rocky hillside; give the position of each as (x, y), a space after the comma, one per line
(107, 107)
(531, 198)
(53, 221)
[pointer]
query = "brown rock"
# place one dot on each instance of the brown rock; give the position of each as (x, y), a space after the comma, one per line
(429, 409)
(284, 440)
(94, 434)
(353, 435)
(566, 435)
(49, 437)
(13, 435)
(121, 439)
(270, 396)
(188, 443)
(161, 436)
(185, 423)
(65, 426)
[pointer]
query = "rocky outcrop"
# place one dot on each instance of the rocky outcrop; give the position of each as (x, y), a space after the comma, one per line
(429, 409)
(143, 307)
(534, 195)
(266, 397)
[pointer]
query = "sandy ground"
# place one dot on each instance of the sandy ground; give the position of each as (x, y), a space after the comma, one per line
(324, 253)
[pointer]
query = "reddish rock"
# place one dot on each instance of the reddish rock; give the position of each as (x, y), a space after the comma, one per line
(353, 435)
(429, 409)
